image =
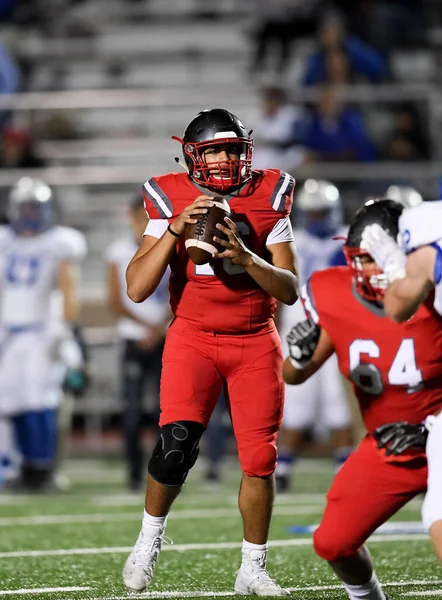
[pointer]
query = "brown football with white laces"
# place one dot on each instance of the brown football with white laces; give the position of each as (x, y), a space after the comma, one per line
(199, 236)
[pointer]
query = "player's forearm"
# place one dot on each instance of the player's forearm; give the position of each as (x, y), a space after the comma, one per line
(146, 270)
(282, 284)
(294, 376)
(403, 297)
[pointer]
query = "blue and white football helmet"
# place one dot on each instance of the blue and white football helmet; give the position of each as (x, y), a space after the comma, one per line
(404, 194)
(318, 208)
(31, 206)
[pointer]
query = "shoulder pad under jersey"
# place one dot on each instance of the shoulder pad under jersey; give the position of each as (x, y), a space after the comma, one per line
(421, 225)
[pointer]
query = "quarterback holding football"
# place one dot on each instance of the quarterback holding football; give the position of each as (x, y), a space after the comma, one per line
(223, 334)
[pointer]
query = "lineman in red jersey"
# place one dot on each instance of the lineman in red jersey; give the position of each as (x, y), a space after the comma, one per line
(396, 371)
(223, 332)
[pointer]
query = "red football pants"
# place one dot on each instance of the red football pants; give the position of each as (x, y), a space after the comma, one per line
(196, 364)
(365, 493)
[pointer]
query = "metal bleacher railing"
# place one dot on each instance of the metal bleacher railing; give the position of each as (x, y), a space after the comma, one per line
(365, 95)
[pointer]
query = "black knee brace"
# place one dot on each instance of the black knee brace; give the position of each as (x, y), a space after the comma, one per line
(176, 452)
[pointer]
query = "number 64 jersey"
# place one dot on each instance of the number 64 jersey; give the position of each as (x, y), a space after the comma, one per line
(220, 296)
(396, 369)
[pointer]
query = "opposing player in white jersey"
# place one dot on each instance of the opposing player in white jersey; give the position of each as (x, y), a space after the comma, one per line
(142, 329)
(414, 271)
(36, 257)
(321, 399)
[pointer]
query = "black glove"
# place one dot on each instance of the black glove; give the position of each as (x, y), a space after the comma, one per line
(302, 340)
(401, 436)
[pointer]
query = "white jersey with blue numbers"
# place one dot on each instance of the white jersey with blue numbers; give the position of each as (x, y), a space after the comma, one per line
(314, 254)
(29, 269)
(422, 226)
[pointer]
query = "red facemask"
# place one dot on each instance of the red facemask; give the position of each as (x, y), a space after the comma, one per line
(370, 280)
(224, 175)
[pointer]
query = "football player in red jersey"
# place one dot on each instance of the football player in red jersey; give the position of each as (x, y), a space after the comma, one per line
(223, 332)
(396, 371)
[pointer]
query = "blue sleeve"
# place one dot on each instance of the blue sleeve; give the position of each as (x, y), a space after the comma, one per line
(315, 70)
(9, 73)
(365, 60)
(337, 259)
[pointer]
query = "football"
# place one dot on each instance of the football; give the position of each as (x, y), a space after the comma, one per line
(199, 236)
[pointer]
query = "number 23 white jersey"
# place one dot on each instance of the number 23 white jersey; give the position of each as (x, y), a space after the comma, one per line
(29, 269)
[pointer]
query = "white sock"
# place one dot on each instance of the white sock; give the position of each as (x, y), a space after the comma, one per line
(372, 590)
(251, 552)
(156, 522)
(249, 546)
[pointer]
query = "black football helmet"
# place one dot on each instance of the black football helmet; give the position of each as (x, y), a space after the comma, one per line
(370, 281)
(210, 128)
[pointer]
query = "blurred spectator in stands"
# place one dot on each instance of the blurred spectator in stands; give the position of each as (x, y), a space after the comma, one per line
(17, 150)
(334, 132)
(279, 22)
(274, 132)
(10, 77)
(336, 48)
(409, 140)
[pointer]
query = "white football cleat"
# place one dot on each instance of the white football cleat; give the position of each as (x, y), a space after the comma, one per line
(253, 579)
(138, 569)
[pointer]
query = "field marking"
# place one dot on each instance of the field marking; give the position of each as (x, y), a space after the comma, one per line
(426, 593)
(186, 547)
(202, 513)
(391, 527)
(203, 498)
(219, 594)
(44, 590)
(313, 588)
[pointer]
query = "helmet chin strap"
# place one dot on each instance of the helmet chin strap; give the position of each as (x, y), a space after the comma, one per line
(180, 162)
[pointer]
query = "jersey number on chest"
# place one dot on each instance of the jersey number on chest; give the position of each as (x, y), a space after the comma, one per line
(228, 267)
(22, 270)
(367, 376)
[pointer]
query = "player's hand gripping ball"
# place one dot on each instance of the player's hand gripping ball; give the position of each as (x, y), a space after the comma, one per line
(199, 241)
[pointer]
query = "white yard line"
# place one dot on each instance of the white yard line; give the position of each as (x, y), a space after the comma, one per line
(216, 496)
(186, 547)
(211, 496)
(218, 594)
(202, 513)
(312, 588)
(44, 590)
(426, 593)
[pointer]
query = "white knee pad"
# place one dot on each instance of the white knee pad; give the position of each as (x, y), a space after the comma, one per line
(432, 506)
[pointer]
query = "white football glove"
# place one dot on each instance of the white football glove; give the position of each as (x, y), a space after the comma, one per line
(385, 252)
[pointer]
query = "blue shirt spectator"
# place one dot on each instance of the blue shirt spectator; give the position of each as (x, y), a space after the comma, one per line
(333, 132)
(363, 61)
(10, 77)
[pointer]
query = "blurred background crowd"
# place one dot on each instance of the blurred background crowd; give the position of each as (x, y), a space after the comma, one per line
(341, 91)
